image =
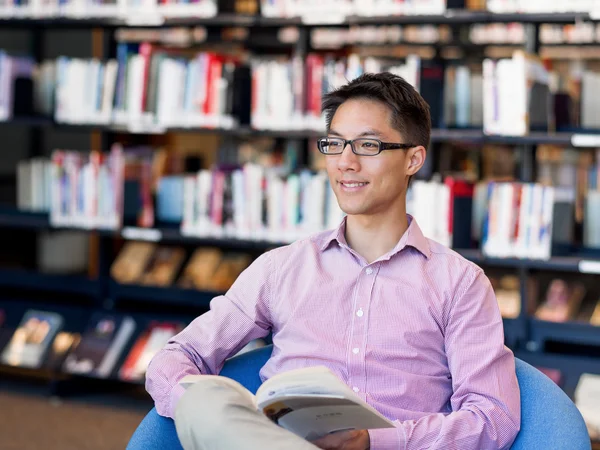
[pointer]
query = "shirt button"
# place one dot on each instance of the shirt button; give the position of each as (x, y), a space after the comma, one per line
(355, 389)
(359, 313)
(355, 350)
(369, 271)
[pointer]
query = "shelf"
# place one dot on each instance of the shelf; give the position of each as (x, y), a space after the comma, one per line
(457, 135)
(451, 16)
(67, 284)
(556, 263)
(582, 138)
(557, 18)
(564, 332)
(61, 22)
(167, 295)
(172, 235)
(25, 220)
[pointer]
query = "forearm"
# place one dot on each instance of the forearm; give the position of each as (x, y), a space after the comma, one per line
(468, 429)
(162, 377)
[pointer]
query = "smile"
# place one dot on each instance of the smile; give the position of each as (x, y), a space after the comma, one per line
(353, 185)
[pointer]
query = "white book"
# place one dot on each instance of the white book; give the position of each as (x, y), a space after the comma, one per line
(23, 184)
(490, 238)
(275, 190)
(591, 220)
(463, 96)
(91, 90)
(189, 202)
(203, 219)
(524, 217)
(239, 198)
(536, 220)
(134, 90)
(476, 100)
(6, 88)
(108, 90)
(253, 175)
(317, 212)
(545, 240)
(291, 206)
(491, 113)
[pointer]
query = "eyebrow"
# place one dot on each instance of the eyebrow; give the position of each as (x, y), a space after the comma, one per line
(368, 132)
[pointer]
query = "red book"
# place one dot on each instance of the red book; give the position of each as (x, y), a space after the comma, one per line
(215, 69)
(317, 86)
(457, 188)
(146, 52)
(152, 340)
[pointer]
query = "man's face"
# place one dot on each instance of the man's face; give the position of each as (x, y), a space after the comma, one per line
(367, 185)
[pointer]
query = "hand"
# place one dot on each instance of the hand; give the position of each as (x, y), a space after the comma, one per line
(345, 440)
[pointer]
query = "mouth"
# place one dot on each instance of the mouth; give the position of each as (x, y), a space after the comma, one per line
(352, 186)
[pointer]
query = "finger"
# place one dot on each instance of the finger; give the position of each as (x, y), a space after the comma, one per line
(335, 440)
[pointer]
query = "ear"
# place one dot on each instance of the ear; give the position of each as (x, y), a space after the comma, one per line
(415, 158)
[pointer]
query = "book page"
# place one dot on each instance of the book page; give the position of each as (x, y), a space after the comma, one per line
(315, 422)
(308, 381)
(313, 402)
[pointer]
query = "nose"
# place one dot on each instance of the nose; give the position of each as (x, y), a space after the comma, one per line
(347, 159)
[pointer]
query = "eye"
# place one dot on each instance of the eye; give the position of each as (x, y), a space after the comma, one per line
(369, 145)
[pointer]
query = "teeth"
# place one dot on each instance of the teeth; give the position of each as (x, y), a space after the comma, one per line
(352, 185)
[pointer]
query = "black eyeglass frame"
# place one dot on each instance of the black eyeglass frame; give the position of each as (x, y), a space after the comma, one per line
(382, 146)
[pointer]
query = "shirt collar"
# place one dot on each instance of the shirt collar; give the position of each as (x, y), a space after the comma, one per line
(413, 237)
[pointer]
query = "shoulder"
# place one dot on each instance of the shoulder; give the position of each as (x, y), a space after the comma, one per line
(459, 267)
(304, 247)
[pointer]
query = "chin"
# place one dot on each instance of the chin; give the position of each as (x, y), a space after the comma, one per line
(352, 210)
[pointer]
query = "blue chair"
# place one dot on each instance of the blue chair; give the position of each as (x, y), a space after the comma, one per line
(549, 419)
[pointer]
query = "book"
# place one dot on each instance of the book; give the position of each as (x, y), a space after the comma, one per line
(587, 400)
(63, 344)
(200, 269)
(562, 301)
(32, 339)
(153, 339)
(595, 319)
(163, 266)
(310, 402)
(131, 262)
(101, 345)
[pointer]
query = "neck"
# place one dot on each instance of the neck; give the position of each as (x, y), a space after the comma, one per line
(375, 235)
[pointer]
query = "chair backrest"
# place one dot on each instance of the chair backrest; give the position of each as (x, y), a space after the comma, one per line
(549, 419)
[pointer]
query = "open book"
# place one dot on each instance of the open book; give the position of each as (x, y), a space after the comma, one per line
(311, 402)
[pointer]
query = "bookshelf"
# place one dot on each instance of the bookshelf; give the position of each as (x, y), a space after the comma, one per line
(525, 334)
(577, 139)
(452, 17)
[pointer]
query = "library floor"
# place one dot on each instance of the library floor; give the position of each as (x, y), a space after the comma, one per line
(30, 419)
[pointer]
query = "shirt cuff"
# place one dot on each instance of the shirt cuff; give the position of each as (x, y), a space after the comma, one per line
(385, 439)
(176, 394)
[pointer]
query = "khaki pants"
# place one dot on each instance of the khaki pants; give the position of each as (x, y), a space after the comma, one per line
(213, 416)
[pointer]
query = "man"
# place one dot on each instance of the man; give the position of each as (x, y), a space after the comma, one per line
(410, 325)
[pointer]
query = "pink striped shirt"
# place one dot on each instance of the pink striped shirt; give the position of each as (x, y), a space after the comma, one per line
(416, 333)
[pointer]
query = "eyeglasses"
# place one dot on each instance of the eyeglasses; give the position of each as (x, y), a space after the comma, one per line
(362, 146)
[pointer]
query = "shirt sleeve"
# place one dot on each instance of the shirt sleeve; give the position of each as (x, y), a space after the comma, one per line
(486, 412)
(234, 319)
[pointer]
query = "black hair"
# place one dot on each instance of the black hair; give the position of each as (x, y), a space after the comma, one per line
(409, 111)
